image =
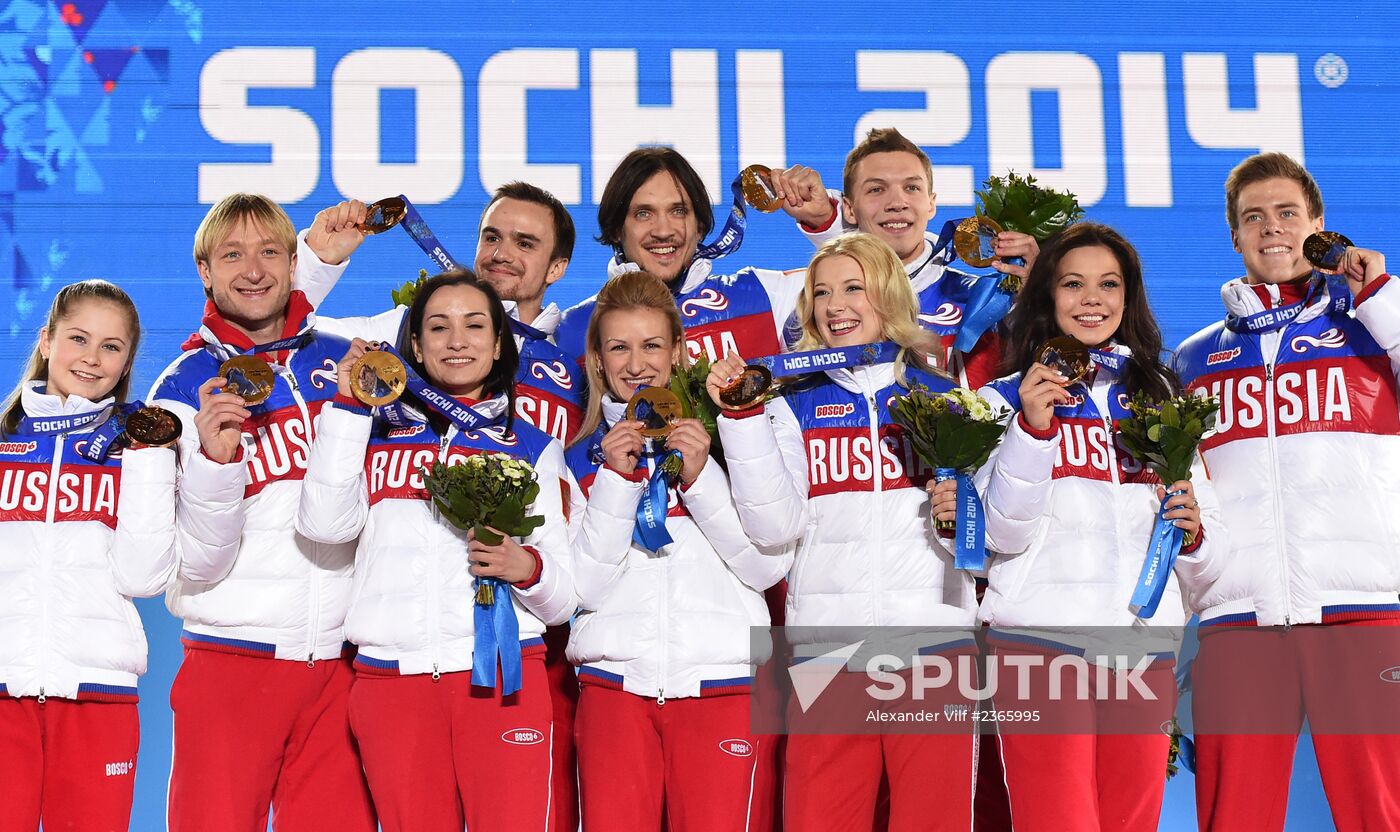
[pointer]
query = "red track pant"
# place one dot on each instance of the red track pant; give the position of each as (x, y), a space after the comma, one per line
(1109, 774)
(694, 757)
(253, 733)
(70, 764)
(441, 753)
(563, 696)
(1263, 678)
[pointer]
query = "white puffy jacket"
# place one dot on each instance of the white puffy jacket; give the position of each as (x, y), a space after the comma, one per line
(1070, 515)
(250, 584)
(827, 464)
(80, 539)
(672, 623)
(1305, 459)
(411, 608)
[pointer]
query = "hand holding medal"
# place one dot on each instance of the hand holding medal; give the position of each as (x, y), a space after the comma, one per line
(219, 421)
(1067, 356)
(735, 386)
(1332, 253)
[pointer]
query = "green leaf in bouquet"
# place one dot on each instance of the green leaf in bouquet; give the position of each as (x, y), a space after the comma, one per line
(508, 515)
(1019, 204)
(486, 536)
(404, 295)
(1170, 415)
(529, 524)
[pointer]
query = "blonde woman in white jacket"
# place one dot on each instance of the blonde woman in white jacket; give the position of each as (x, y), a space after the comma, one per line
(662, 636)
(826, 463)
(81, 534)
(1070, 514)
(446, 739)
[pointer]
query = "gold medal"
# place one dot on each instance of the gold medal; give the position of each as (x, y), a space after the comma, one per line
(1066, 356)
(1325, 250)
(377, 378)
(152, 426)
(970, 240)
(748, 389)
(248, 378)
(657, 409)
(384, 215)
(757, 184)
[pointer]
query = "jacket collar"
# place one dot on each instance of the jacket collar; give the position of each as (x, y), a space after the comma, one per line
(225, 340)
(37, 402)
(696, 273)
(1243, 299)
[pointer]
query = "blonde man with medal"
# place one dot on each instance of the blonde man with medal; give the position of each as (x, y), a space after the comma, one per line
(260, 719)
(1304, 457)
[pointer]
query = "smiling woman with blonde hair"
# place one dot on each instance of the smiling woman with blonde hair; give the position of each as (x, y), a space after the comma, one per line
(887, 291)
(668, 588)
(829, 466)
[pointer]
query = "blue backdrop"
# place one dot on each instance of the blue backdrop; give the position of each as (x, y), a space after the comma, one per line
(121, 121)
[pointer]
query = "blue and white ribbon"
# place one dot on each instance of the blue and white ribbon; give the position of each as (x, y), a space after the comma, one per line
(418, 229)
(1110, 361)
(731, 235)
(970, 536)
(110, 421)
(1272, 319)
(836, 358)
(650, 531)
(1162, 550)
(988, 299)
(497, 638)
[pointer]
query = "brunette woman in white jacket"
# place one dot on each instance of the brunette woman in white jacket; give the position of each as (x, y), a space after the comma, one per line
(79, 538)
(439, 748)
(662, 638)
(1070, 514)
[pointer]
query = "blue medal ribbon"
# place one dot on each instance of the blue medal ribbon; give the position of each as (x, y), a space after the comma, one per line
(650, 531)
(464, 417)
(988, 298)
(1111, 361)
(1162, 548)
(1272, 319)
(970, 536)
(731, 236)
(110, 423)
(497, 638)
(418, 229)
(271, 347)
(836, 358)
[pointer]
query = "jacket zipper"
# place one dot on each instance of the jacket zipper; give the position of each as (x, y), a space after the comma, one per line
(1270, 440)
(877, 462)
(665, 610)
(434, 598)
(59, 443)
(313, 612)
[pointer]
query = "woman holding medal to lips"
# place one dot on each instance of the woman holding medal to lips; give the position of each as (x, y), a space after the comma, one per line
(87, 515)
(1070, 513)
(826, 462)
(439, 748)
(668, 587)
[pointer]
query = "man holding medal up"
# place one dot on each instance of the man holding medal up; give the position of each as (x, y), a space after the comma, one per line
(888, 192)
(654, 213)
(260, 700)
(1304, 457)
